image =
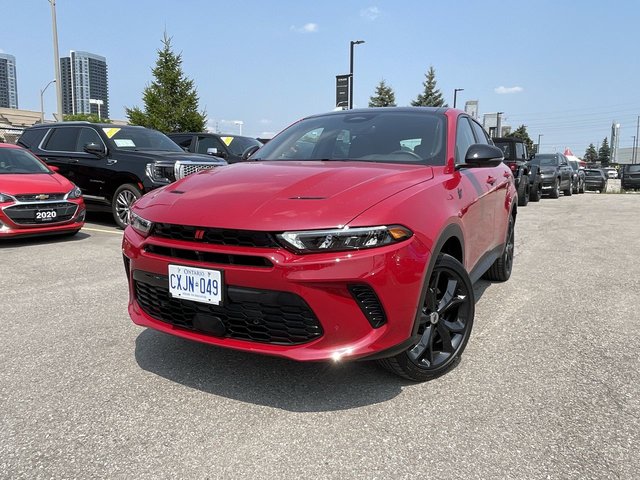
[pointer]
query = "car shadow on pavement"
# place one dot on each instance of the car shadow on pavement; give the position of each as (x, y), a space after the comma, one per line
(264, 380)
(41, 240)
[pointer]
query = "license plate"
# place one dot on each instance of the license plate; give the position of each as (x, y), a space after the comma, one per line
(196, 284)
(46, 215)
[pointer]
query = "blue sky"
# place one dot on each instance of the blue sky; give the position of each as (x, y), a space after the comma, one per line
(572, 67)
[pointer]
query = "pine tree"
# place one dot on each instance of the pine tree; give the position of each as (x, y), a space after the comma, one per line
(432, 97)
(604, 153)
(591, 154)
(384, 96)
(171, 101)
(522, 134)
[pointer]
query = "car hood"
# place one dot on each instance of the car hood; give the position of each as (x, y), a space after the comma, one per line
(278, 196)
(21, 184)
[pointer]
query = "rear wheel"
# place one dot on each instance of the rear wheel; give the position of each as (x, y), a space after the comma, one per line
(445, 322)
(581, 189)
(569, 190)
(121, 203)
(523, 191)
(500, 271)
(536, 192)
(555, 189)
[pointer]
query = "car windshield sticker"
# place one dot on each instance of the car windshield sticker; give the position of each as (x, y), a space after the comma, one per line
(124, 142)
(227, 140)
(110, 132)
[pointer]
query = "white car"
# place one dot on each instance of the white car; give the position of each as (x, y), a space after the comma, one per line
(611, 172)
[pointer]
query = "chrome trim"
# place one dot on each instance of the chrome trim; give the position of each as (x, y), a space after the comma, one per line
(68, 152)
(180, 165)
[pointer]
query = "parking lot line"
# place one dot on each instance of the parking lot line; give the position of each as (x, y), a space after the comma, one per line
(118, 232)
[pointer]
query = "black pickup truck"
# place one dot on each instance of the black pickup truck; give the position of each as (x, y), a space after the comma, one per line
(227, 146)
(113, 165)
(528, 179)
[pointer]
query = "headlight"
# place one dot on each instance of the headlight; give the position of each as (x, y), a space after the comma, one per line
(6, 198)
(74, 193)
(343, 238)
(140, 225)
(161, 172)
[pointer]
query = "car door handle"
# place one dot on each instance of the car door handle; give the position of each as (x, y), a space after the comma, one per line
(491, 180)
(112, 162)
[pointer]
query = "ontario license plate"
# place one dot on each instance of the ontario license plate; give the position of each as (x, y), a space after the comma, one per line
(196, 284)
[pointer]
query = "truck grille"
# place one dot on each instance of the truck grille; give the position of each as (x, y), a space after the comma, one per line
(265, 316)
(184, 169)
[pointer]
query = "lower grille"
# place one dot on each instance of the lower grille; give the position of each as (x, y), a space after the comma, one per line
(209, 257)
(265, 316)
(369, 303)
(215, 236)
(25, 214)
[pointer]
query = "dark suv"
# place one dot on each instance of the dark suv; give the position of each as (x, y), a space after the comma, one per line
(528, 180)
(113, 165)
(227, 146)
(630, 177)
(556, 173)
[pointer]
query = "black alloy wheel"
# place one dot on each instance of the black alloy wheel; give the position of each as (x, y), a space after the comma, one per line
(500, 271)
(523, 191)
(536, 192)
(123, 199)
(445, 320)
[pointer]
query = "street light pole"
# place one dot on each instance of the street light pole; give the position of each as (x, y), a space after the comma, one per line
(538, 149)
(352, 43)
(42, 100)
(56, 57)
(635, 149)
(499, 124)
(455, 94)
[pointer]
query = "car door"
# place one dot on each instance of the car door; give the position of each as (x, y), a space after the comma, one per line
(57, 150)
(92, 171)
(566, 172)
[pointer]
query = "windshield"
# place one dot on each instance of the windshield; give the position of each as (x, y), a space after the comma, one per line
(545, 160)
(574, 164)
(376, 136)
(14, 160)
(141, 139)
(593, 173)
(238, 145)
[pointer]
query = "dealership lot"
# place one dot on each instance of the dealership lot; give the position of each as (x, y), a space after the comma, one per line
(547, 387)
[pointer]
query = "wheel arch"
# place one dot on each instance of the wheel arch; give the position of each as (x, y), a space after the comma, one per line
(118, 181)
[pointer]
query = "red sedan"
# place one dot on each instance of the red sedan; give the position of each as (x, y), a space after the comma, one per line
(350, 235)
(34, 200)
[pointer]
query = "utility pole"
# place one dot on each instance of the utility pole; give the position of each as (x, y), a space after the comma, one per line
(455, 95)
(635, 146)
(56, 57)
(352, 43)
(538, 149)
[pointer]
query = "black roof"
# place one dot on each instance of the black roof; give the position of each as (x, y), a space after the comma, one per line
(83, 123)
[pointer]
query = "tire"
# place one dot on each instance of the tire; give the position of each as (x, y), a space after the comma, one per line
(445, 322)
(500, 271)
(536, 193)
(121, 203)
(569, 190)
(581, 189)
(523, 191)
(555, 190)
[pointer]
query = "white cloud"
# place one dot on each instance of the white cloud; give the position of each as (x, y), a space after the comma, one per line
(306, 28)
(265, 121)
(506, 90)
(370, 13)
(1, 50)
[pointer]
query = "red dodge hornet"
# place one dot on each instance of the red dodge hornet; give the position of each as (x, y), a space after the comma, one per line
(351, 235)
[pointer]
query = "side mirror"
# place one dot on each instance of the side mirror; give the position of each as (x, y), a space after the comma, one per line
(95, 149)
(248, 152)
(216, 153)
(482, 155)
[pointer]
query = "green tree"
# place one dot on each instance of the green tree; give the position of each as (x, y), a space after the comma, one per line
(591, 154)
(383, 97)
(171, 101)
(432, 97)
(522, 134)
(604, 153)
(84, 117)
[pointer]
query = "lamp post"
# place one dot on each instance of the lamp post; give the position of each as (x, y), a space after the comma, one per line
(633, 150)
(455, 95)
(239, 123)
(538, 149)
(99, 103)
(42, 100)
(352, 43)
(56, 58)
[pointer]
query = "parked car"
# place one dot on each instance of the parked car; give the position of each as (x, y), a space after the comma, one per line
(34, 199)
(577, 177)
(595, 179)
(113, 165)
(528, 180)
(630, 179)
(556, 173)
(227, 146)
(365, 246)
(610, 172)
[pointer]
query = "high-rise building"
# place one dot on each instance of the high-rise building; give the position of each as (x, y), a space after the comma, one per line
(84, 84)
(8, 81)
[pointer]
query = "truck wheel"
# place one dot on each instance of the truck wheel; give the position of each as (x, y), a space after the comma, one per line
(445, 322)
(555, 190)
(523, 191)
(536, 193)
(581, 189)
(569, 190)
(121, 203)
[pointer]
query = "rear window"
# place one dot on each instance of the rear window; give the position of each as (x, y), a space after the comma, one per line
(593, 173)
(545, 160)
(632, 168)
(31, 138)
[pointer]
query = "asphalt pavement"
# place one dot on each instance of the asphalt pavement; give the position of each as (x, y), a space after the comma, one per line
(548, 387)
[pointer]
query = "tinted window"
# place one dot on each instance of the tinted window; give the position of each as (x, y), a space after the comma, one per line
(31, 138)
(238, 145)
(632, 169)
(464, 139)
(140, 139)
(506, 149)
(63, 139)
(13, 160)
(593, 173)
(545, 160)
(183, 140)
(376, 136)
(87, 135)
(205, 143)
(520, 151)
(481, 135)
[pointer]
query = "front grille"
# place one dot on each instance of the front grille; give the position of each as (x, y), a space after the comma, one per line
(264, 316)
(26, 214)
(38, 197)
(186, 169)
(215, 236)
(369, 303)
(209, 257)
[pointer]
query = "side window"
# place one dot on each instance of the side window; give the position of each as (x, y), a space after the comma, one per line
(520, 152)
(205, 143)
(31, 138)
(183, 140)
(464, 139)
(87, 135)
(63, 139)
(481, 135)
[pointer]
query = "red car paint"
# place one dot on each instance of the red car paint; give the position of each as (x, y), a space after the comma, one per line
(435, 202)
(48, 183)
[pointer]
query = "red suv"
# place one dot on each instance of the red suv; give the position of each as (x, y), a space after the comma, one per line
(350, 235)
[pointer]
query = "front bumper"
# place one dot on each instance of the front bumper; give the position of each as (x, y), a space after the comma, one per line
(324, 282)
(18, 224)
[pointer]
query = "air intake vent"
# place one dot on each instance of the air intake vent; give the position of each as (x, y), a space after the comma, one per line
(369, 303)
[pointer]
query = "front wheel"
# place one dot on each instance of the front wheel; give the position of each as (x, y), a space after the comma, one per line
(569, 190)
(536, 192)
(445, 320)
(121, 203)
(555, 190)
(523, 191)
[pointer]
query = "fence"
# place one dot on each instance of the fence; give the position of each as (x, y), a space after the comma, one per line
(10, 134)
